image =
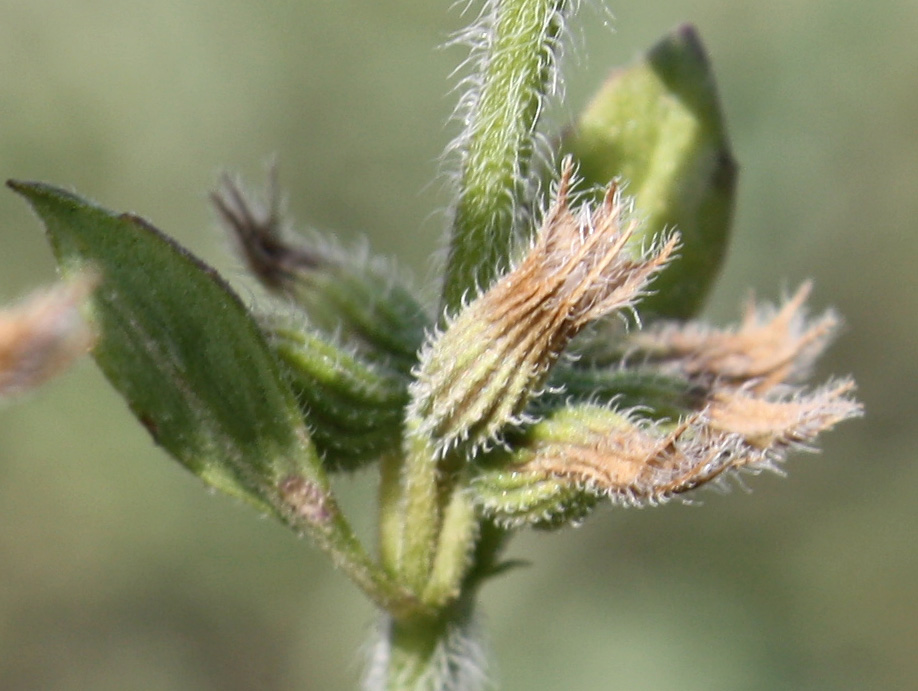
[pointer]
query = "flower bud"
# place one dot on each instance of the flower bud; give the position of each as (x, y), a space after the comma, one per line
(771, 346)
(356, 297)
(43, 335)
(517, 498)
(597, 451)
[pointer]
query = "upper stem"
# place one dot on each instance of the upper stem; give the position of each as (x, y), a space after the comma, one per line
(517, 71)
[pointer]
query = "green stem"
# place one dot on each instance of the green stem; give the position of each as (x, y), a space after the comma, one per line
(390, 511)
(439, 525)
(421, 510)
(309, 507)
(412, 647)
(430, 654)
(454, 550)
(497, 146)
(349, 555)
(517, 69)
(429, 526)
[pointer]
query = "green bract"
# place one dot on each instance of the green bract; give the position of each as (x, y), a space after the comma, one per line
(657, 126)
(197, 372)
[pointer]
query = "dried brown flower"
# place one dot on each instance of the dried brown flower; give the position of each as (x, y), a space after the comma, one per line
(477, 375)
(770, 346)
(258, 234)
(43, 335)
(748, 413)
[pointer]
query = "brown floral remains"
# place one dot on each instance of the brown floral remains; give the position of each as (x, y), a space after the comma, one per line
(752, 414)
(43, 335)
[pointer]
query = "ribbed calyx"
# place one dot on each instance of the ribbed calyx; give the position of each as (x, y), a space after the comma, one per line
(476, 377)
(354, 408)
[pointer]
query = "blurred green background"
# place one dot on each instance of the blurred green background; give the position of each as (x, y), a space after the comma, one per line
(117, 571)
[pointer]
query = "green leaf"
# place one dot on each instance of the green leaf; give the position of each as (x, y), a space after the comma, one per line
(182, 350)
(658, 126)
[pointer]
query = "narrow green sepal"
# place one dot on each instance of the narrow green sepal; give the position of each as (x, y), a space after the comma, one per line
(182, 350)
(658, 396)
(353, 409)
(658, 126)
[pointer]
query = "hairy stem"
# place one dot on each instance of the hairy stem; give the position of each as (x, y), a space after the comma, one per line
(420, 511)
(454, 549)
(310, 508)
(429, 654)
(516, 63)
(430, 528)
(390, 512)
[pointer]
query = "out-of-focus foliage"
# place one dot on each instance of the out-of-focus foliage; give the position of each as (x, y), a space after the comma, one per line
(808, 583)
